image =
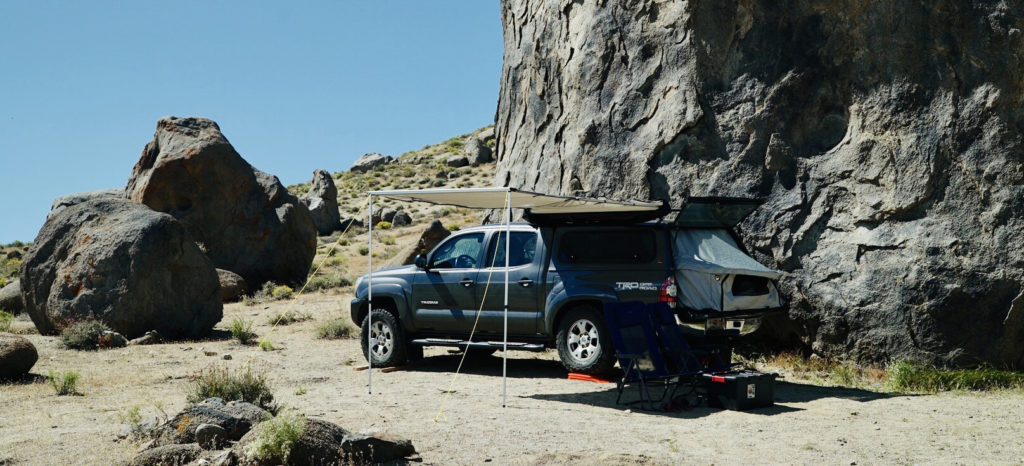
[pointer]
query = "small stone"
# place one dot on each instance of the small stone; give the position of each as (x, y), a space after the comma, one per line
(210, 353)
(209, 436)
(227, 357)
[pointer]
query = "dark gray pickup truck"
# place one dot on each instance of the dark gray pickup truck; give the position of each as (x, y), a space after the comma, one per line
(560, 277)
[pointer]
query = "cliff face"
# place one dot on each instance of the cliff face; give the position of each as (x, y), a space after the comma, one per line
(885, 137)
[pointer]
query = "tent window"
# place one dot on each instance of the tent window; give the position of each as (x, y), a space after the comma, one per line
(608, 247)
(460, 252)
(521, 251)
(748, 285)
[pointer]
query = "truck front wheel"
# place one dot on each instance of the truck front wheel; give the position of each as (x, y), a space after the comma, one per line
(583, 342)
(386, 343)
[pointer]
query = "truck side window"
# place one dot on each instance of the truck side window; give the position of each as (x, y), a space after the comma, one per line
(607, 247)
(521, 250)
(460, 252)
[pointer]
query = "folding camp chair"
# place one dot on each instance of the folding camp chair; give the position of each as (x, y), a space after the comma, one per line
(681, 356)
(643, 363)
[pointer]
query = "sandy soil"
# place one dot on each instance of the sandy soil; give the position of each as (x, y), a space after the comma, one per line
(548, 420)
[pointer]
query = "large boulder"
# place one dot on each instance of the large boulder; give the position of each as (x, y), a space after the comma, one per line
(430, 238)
(477, 152)
(322, 202)
(168, 455)
(10, 298)
(323, 442)
(232, 286)
(69, 200)
(246, 219)
(370, 162)
(123, 263)
(236, 418)
(17, 356)
(885, 137)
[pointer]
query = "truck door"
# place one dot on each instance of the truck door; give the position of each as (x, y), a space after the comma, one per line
(444, 297)
(524, 310)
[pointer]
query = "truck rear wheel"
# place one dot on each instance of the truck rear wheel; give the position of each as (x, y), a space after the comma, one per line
(387, 345)
(583, 342)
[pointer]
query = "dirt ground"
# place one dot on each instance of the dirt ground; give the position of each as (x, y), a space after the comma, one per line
(548, 419)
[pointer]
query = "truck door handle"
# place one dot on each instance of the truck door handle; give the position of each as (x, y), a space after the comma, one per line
(525, 282)
(467, 282)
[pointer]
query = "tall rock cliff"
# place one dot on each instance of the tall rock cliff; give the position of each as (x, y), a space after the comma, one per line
(885, 137)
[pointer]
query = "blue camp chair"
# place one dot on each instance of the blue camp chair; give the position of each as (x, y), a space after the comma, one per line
(641, 356)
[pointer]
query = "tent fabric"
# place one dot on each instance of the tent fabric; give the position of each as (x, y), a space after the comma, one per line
(707, 262)
(714, 251)
(494, 198)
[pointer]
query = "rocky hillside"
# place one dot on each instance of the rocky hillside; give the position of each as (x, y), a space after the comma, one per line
(884, 136)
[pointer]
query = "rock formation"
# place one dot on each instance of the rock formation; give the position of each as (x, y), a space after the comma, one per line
(17, 356)
(120, 262)
(430, 238)
(69, 200)
(884, 136)
(246, 220)
(10, 298)
(368, 162)
(477, 152)
(322, 202)
(232, 286)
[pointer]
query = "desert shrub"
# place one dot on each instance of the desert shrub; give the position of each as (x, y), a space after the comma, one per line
(907, 376)
(290, 316)
(338, 327)
(221, 382)
(388, 240)
(65, 383)
(5, 321)
(282, 292)
(276, 438)
(133, 418)
(241, 330)
(266, 345)
(83, 335)
(325, 282)
(364, 250)
(383, 225)
(335, 261)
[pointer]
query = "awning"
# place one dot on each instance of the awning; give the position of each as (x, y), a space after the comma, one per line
(538, 203)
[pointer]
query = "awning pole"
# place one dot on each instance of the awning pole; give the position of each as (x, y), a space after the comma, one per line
(369, 304)
(504, 342)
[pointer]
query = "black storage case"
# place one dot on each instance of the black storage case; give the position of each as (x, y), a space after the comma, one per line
(740, 390)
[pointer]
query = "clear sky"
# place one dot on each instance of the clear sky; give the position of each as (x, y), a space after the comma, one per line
(295, 86)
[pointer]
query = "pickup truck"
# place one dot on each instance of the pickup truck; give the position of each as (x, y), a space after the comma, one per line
(560, 276)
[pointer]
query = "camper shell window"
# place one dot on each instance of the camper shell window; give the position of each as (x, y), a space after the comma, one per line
(607, 247)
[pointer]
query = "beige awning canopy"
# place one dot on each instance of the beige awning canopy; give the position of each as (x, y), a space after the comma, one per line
(494, 198)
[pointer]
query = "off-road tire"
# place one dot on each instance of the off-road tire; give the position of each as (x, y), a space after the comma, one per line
(583, 342)
(390, 347)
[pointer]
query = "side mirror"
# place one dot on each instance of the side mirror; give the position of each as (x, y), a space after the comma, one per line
(420, 261)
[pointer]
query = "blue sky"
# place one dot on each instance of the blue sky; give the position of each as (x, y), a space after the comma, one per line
(293, 87)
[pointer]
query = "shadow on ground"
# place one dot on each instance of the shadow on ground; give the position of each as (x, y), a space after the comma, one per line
(604, 394)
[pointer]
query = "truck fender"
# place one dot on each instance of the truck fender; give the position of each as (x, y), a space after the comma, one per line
(395, 293)
(559, 301)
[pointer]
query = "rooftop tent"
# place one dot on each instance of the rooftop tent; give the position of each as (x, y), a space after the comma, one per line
(714, 274)
(508, 198)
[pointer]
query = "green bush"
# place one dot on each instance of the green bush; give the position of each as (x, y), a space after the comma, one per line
(243, 384)
(241, 330)
(266, 345)
(388, 240)
(5, 321)
(64, 383)
(364, 250)
(383, 225)
(336, 328)
(282, 292)
(290, 316)
(276, 437)
(83, 335)
(910, 377)
(325, 282)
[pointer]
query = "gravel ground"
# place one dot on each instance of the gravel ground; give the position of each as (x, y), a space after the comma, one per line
(548, 419)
